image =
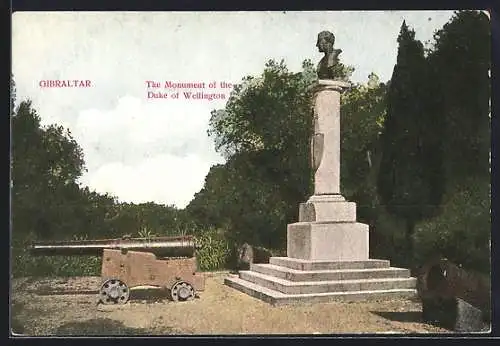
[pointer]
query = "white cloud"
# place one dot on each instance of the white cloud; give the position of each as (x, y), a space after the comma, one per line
(165, 179)
(146, 151)
(139, 122)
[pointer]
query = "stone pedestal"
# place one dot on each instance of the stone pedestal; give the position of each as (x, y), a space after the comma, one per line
(327, 230)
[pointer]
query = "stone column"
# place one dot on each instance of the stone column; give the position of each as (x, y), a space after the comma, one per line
(323, 204)
(327, 227)
(326, 138)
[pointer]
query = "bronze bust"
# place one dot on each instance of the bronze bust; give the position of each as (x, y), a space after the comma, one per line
(328, 67)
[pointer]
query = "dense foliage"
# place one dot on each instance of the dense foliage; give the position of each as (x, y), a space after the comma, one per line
(460, 63)
(410, 180)
(436, 142)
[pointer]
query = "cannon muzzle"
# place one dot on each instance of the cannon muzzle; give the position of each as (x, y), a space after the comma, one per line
(161, 246)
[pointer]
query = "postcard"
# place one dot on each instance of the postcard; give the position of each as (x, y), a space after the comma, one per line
(243, 173)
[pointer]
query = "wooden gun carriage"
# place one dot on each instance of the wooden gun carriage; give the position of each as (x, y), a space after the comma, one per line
(167, 262)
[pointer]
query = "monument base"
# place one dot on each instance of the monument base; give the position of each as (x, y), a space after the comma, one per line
(327, 230)
(286, 280)
(327, 260)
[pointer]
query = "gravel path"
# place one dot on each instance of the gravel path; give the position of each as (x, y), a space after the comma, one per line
(68, 307)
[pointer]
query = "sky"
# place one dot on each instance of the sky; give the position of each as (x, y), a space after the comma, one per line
(144, 149)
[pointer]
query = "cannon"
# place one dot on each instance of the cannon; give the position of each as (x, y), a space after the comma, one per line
(453, 297)
(166, 262)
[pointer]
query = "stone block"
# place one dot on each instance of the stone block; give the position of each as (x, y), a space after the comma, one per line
(306, 265)
(325, 209)
(329, 275)
(328, 241)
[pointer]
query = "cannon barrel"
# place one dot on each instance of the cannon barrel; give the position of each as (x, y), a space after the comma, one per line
(160, 246)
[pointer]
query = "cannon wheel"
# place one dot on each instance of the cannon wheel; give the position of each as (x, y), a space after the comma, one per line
(182, 291)
(114, 291)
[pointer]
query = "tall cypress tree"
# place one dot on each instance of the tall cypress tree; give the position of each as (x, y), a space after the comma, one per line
(461, 59)
(409, 181)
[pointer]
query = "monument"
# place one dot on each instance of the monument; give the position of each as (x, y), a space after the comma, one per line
(327, 249)
(327, 228)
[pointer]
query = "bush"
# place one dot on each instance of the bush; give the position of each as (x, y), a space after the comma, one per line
(461, 232)
(214, 250)
(25, 264)
(387, 238)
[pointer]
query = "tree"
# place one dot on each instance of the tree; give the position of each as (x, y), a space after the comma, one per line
(260, 111)
(239, 198)
(460, 62)
(264, 131)
(206, 208)
(363, 111)
(410, 179)
(46, 162)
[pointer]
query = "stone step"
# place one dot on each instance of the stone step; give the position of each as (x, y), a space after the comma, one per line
(279, 298)
(329, 275)
(300, 264)
(291, 287)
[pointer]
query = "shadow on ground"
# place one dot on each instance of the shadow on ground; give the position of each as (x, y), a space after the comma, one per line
(404, 316)
(102, 327)
(143, 294)
(150, 294)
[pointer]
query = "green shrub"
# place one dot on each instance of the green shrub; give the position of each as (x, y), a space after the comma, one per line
(462, 231)
(214, 249)
(387, 238)
(146, 232)
(25, 264)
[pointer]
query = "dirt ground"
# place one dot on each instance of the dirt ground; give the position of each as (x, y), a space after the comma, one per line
(68, 307)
